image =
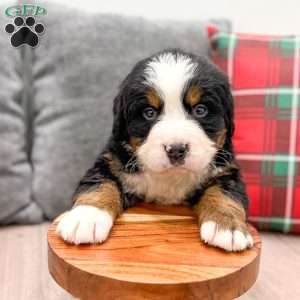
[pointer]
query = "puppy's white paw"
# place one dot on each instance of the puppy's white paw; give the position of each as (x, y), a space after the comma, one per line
(85, 224)
(229, 240)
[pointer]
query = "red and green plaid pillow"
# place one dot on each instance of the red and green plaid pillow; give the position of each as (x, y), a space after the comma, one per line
(265, 77)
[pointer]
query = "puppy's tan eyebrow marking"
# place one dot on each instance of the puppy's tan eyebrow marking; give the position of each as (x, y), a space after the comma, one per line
(193, 95)
(153, 98)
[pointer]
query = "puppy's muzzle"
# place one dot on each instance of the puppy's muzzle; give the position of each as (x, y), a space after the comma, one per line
(177, 153)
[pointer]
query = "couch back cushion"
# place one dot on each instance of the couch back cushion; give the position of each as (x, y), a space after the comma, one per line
(265, 76)
(15, 169)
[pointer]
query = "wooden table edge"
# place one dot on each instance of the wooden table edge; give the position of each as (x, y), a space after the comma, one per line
(156, 288)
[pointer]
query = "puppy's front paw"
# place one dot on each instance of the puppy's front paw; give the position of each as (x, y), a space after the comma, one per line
(85, 224)
(234, 239)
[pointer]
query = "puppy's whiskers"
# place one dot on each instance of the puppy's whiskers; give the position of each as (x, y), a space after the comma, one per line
(131, 164)
(213, 167)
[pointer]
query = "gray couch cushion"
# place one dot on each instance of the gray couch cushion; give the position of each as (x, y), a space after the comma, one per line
(15, 170)
(77, 69)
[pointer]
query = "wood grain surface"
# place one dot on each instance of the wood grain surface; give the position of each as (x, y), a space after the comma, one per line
(153, 252)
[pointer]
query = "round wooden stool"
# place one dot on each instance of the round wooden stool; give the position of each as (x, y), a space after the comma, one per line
(153, 252)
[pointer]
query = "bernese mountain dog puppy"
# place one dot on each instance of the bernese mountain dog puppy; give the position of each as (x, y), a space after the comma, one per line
(171, 143)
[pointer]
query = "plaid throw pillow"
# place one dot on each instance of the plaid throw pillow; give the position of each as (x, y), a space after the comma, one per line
(265, 76)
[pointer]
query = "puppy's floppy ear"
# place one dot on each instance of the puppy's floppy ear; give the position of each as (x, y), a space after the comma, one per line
(229, 110)
(119, 123)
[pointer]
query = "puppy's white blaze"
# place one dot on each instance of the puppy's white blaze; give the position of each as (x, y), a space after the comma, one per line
(229, 240)
(168, 74)
(85, 224)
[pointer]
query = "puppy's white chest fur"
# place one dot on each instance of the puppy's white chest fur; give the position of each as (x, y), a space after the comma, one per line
(163, 188)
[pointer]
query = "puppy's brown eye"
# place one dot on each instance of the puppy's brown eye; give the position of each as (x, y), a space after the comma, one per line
(149, 114)
(200, 111)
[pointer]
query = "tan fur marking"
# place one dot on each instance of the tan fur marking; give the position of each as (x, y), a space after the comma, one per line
(193, 95)
(107, 197)
(220, 208)
(153, 98)
(135, 143)
(221, 137)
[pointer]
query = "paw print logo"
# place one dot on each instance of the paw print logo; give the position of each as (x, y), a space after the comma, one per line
(24, 31)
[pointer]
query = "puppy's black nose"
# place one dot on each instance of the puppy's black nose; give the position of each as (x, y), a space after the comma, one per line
(177, 153)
